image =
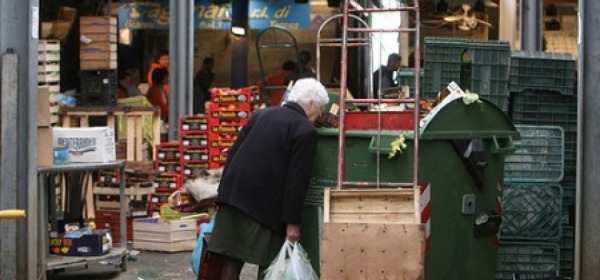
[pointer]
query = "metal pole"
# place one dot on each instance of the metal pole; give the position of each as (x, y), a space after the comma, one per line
(19, 30)
(181, 68)
(531, 25)
(587, 240)
(239, 45)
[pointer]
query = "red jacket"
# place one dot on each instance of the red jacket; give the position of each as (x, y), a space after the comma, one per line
(159, 97)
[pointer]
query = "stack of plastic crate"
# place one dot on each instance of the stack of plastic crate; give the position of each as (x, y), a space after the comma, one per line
(478, 66)
(194, 145)
(543, 93)
(229, 110)
(532, 210)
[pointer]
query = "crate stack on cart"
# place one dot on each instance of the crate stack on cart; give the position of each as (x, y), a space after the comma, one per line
(98, 61)
(138, 197)
(475, 65)
(543, 104)
(228, 112)
(49, 77)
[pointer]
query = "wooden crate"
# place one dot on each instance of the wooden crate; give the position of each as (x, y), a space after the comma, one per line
(397, 206)
(373, 251)
(162, 235)
(372, 234)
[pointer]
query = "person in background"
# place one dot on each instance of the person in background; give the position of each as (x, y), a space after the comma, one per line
(157, 95)
(303, 69)
(129, 81)
(387, 75)
(160, 62)
(279, 79)
(202, 83)
(261, 201)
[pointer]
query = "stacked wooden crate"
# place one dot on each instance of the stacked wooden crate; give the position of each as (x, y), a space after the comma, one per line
(49, 76)
(99, 52)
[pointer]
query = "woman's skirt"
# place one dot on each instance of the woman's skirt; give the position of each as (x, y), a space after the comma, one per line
(239, 236)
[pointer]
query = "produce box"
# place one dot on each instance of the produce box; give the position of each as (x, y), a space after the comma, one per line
(168, 150)
(86, 144)
(162, 235)
(194, 122)
(95, 244)
(167, 181)
(194, 138)
(194, 153)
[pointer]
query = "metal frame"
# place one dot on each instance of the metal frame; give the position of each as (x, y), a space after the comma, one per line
(293, 45)
(341, 168)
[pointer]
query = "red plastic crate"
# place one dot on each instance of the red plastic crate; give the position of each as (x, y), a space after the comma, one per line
(193, 122)
(227, 95)
(194, 138)
(109, 176)
(230, 111)
(189, 168)
(215, 165)
(167, 181)
(389, 120)
(194, 153)
(168, 150)
(105, 219)
(172, 165)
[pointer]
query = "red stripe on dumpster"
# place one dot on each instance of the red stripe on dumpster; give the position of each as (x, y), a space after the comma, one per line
(498, 212)
(425, 205)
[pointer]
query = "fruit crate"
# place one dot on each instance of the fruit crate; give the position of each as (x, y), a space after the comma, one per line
(538, 157)
(477, 65)
(531, 212)
(106, 219)
(536, 70)
(193, 122)
(525, 260)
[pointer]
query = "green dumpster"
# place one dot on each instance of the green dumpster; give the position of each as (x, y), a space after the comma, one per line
(462, 149)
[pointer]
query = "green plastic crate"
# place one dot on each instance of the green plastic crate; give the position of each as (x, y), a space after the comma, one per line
(479, 66)
(531, 212)
(535, 70)
(544, 108)
(538, 157)
(527, 260)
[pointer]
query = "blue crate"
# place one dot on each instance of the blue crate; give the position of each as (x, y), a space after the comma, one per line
(446, 58)
(538, 157)
(534, 70)
(527, 260)
(531, 212)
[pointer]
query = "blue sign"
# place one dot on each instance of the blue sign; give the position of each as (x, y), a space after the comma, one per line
(261, 14)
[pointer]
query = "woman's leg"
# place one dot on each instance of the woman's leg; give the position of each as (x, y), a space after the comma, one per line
(231, 268)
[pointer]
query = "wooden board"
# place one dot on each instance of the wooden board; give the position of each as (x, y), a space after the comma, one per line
(373, 251)
(372, 206)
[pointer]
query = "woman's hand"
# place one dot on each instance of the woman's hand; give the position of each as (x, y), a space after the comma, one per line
(293, 233)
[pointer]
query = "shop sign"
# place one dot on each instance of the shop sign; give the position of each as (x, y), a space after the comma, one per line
(262, 14)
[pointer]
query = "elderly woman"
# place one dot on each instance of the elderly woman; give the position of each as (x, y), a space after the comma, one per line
(262, 189)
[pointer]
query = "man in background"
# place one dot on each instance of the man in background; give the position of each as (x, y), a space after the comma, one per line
(387, 76)
(276, 82)
(202, 83)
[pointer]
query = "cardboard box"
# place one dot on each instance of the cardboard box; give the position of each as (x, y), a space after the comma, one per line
(95, 244)
(86, 144)
(162, 235)
(45, 148)
(97, 64)
(43, 106)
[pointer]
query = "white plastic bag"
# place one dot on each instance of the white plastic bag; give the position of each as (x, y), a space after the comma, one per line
(291, 263)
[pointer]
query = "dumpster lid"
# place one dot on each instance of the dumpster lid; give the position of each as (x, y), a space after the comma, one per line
(454, 119)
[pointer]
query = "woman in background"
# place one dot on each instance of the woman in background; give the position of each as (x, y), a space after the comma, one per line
(160, 62)
(157, 95)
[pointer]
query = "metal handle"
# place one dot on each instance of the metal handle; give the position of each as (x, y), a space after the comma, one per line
(502, 146)
(12, 214)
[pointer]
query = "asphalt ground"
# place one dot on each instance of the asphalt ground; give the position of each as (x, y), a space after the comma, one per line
(146, 265)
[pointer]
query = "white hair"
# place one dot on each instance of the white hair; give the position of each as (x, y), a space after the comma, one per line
(306, 90)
